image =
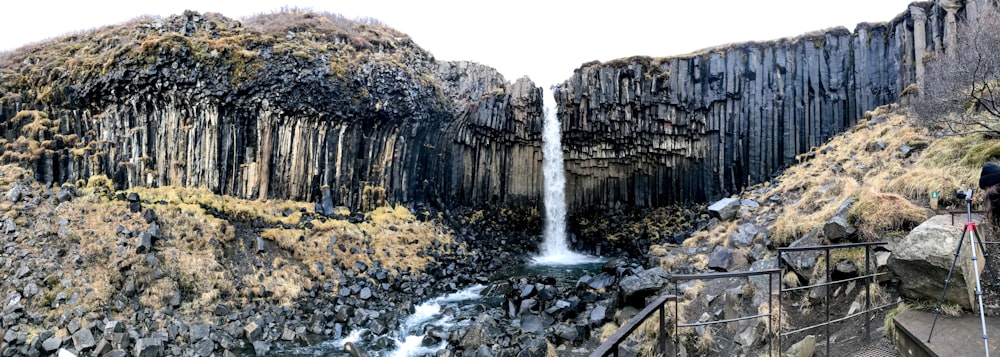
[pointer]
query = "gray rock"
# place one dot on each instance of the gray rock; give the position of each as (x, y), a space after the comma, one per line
(51, 344)
(568, 332)
(721, 259)
(83, 339)
(804, 348)
(260, 244)
(252, 331)
(15, 192)
(261, 348)
(116, 353)
(66, 353)
(802, 262)
(484, 351)
(635, 288)
(837, 229)
(475, 336)
(199, 332)
(598, 315)
(921, 261)
(148, 347)
(64, 196)
(9, 226)
(143, 243)
(743, 236)
(535, 323)
(724, 209)
(601, 281)
(204, 347)
(365, 294)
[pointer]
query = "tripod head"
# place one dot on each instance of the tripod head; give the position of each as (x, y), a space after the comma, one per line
(967, 195)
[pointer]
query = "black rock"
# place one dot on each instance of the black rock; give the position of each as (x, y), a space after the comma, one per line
(571, 333)
(601, 281)
(598, 315)
(204, 347)
(64, 196)
(536, 323)
(261, 348)
(51, 344)
(149, 215)
(721, 259)
(143, 243)
(148, 347)
(83, 339)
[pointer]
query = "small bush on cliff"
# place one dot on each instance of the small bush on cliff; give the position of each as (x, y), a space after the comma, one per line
(962, 91)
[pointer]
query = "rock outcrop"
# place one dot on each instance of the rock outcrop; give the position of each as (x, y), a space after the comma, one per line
(289, 104)
(701, 126)
(278, 108)
(922, 261)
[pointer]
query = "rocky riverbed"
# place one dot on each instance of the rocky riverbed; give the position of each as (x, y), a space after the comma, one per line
(183, 272)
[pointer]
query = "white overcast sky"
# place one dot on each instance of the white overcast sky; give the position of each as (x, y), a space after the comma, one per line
(543, 39)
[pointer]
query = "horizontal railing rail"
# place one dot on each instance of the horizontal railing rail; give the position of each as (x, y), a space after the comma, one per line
(712, 276)
(869, 276)
(610, 347)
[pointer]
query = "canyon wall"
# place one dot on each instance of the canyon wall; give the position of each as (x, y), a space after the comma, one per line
(649, 131)
(292, 104)
(376, 120)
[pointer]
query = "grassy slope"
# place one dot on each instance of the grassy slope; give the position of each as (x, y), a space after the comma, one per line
(198, 256)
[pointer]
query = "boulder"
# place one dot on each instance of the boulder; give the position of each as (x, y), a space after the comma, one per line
(721, 259)
(837, 229)
(83, 339)
(536, 323)
(921, 261)
(51, 344)
(148, 347)
(253, 331)
(635, 288)
(743, 236)
(804, 348)
(803, 262)
(14, 194)
(724, 209)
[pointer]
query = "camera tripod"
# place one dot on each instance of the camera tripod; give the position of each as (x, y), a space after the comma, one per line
(970, 226)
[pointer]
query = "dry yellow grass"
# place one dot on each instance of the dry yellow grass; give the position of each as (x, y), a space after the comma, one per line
(877, 214)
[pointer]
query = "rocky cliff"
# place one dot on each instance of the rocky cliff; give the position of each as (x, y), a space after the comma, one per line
(648, 131)
(288, 105)
(282, 106)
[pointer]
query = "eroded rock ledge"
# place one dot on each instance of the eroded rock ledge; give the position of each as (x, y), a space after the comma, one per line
(650, 131)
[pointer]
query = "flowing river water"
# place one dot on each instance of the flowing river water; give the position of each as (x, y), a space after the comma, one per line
(452, 311)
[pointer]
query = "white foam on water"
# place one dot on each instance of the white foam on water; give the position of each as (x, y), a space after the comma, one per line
(429, 313)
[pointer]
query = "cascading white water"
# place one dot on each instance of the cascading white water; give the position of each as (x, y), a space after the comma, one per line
(554, 249)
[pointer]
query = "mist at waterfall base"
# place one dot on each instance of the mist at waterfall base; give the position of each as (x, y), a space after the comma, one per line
(554, 249)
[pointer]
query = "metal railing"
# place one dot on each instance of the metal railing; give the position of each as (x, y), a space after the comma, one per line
(610, 347)
(712, 276)
(869, 276)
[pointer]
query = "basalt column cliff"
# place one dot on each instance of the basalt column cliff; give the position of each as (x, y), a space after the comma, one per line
(648, 131)
(283, 106)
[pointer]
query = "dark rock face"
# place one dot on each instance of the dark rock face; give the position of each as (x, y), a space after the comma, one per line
(374, 124)
(701, 126)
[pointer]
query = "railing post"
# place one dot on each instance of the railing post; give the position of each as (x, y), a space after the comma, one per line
(827, 250)
(781, 271)
(663, 335)
(868, 293)
(677, 319)
(770, 311)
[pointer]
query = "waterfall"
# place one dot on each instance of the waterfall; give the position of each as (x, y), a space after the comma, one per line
(554, 249)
